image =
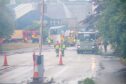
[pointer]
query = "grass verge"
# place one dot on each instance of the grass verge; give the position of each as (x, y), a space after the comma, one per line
(15, 46)
(87, 81)
(123, 61)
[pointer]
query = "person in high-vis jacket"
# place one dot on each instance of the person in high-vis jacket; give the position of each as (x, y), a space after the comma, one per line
(49, 40)
(57, 47)
(63, 47)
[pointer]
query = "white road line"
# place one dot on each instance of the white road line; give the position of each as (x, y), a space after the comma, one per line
(60, 72)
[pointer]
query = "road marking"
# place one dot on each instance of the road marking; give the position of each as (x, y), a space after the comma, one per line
(93, 67)
(59, 73)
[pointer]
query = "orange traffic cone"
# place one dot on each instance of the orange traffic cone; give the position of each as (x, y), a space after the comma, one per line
(5, 60)
(60, 58)
(35, 75)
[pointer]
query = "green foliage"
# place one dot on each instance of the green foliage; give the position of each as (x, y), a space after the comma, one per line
(112, 24)
(3, 2)
(6, 21)
(87, 81)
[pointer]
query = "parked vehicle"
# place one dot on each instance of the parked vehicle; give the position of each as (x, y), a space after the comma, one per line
(25, 36)
(86, 42)
(70, 39)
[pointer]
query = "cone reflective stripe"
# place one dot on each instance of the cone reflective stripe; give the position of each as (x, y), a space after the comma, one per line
(5, 60)
(60, 57)
(36, 75)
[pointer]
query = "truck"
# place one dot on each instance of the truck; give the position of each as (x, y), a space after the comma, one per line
(25, 36)
(17, 35)
(70, 39)
(86, 42)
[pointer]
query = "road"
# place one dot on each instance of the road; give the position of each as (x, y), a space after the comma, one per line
(75, 67)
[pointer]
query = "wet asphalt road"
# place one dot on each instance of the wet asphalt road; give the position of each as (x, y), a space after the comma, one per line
(75, 67)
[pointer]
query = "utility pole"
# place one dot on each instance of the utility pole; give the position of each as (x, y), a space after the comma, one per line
(38, 77)
(40, 59)
(41, 26)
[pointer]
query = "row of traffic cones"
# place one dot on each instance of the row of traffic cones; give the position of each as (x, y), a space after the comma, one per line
(35, 74)
(6, 61)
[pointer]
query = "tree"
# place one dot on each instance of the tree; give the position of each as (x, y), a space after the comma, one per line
(3, 2)
(6, 20)
(112, 24)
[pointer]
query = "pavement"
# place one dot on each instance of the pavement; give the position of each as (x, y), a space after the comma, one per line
(110, 71)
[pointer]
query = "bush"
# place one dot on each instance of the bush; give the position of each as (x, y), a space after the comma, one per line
(87, 81)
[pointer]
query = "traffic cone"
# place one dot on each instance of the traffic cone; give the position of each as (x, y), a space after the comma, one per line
(5, 60)
(36, 79)
(60, 58)
(36, 74)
